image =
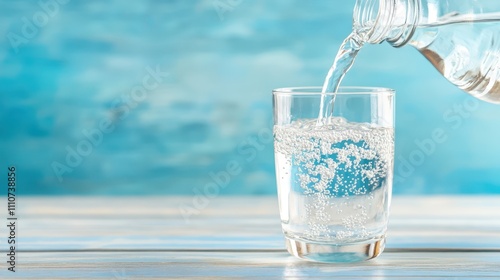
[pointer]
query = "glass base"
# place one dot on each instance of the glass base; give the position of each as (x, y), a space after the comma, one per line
(335, 253)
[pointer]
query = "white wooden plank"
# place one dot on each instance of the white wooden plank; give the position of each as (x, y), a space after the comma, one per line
(220, 234)
(261, 265)
(411, 207)
(237, 222)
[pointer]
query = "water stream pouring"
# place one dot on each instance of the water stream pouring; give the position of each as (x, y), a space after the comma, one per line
(461, 38)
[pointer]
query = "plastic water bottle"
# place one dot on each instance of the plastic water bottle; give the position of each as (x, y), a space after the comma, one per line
(461, 38)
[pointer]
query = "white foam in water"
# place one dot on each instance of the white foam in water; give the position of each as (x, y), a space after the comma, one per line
(333, 179)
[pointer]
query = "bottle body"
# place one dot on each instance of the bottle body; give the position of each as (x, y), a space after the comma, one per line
(461, 38)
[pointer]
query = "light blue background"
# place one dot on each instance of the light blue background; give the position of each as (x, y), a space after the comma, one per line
(215, 105)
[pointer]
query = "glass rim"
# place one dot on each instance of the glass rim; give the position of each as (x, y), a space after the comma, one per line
(343, 90)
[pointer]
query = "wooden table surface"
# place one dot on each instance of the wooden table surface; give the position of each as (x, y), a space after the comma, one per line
(239, 237)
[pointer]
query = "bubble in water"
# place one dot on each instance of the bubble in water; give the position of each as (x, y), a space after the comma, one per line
(335, 171)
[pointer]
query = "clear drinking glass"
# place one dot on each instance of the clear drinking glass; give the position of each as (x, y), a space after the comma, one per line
(334, 175)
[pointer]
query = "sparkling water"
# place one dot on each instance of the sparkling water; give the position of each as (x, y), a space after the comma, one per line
(333, 179)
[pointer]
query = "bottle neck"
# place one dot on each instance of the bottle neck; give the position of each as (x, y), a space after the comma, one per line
(393, 21)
